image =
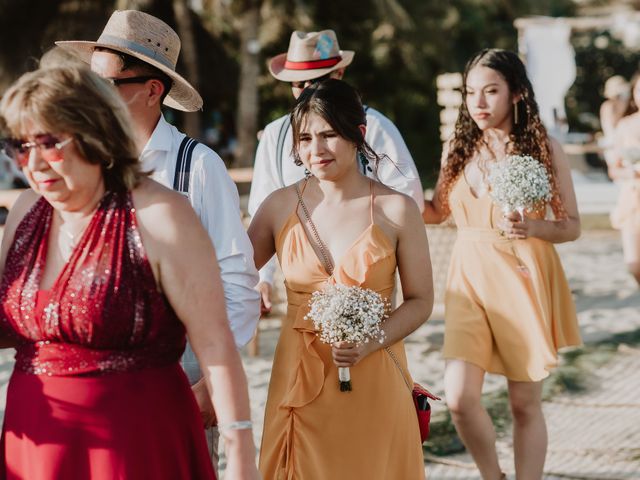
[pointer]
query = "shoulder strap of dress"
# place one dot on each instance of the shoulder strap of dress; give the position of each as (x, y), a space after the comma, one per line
(371, 199)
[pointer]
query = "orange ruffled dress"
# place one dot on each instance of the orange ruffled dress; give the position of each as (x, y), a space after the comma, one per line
(496, 317)
(312, 430)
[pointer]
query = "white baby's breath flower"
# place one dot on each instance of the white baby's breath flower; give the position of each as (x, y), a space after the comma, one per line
(519, 183)
(347, 314)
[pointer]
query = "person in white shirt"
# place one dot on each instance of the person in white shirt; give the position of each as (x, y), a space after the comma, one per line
(141, 64)
(313, 57)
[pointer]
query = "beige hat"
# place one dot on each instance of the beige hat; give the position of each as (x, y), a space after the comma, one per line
(616, 86)
(149, 39)
(310, 55)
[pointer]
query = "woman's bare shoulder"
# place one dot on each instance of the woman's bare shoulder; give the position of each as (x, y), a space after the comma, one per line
(629, 125)
(161, 210)
(395, 205)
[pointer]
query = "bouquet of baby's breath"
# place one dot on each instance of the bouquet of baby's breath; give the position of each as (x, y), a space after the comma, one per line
(519, 183)
(347, 314)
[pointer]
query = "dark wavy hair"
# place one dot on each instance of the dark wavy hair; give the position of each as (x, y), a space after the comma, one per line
(339, 104)
(528, 136)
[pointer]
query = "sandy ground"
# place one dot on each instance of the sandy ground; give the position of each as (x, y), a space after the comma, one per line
(608, 302)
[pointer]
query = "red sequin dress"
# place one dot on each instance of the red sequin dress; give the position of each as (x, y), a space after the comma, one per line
(97, 391)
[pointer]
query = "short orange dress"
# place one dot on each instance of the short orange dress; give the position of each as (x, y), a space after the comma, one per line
(312, 430)
(497, 317)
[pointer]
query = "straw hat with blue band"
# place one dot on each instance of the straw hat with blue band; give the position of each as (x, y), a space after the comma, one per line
(149, 39)
(310, 55)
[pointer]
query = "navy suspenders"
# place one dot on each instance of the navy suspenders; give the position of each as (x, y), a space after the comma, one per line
(183, 165)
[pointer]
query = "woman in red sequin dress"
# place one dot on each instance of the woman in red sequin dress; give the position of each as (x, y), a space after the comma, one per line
(104, 271)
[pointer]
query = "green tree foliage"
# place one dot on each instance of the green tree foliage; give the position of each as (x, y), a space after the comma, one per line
(401, 46)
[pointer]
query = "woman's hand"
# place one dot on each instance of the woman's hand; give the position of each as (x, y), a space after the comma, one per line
(347, 354)
(246, 470)
(203, 399)
(241, 454)
(515, 227)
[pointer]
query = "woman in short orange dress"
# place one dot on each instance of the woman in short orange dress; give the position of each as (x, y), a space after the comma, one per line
(312, 430)
(508, 307)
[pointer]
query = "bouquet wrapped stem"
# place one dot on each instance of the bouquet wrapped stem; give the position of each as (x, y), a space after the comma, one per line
(347, 314)
(344, 375)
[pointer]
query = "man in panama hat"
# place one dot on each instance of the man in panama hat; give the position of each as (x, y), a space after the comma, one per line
(313, 57)
(138, 54)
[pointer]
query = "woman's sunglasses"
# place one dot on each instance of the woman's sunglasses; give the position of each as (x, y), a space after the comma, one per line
(19, 150)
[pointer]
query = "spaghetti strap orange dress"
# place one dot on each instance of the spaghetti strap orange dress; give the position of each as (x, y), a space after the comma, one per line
(312, 430)
(499, 316)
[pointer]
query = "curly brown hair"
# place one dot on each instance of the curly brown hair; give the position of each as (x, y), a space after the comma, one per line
(528, 136)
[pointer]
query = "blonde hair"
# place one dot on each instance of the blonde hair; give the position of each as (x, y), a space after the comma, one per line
(72, 99)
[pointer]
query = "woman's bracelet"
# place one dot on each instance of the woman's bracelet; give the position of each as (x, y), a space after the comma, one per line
(240, 425)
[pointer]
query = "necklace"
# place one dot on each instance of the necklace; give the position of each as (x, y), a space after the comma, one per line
(68, 241)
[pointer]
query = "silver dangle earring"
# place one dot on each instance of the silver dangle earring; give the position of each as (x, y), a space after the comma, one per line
(307, 173)
(515, 113)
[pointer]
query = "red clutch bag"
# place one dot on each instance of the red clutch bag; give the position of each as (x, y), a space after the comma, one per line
(421, 398)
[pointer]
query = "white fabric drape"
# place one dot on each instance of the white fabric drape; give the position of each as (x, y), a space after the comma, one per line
(551, 68)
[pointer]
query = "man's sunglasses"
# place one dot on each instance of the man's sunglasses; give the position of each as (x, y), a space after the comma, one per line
(302, 84)
(123, 81)
(19, 150)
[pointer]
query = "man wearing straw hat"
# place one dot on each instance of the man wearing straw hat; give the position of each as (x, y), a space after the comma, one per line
(313, 57)
(138, 53)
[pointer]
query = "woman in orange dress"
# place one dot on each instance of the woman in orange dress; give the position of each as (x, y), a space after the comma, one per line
(508, 307)
(357, 233)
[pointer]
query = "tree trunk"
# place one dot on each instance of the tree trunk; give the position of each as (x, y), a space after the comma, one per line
(189, 57)
(247, 117)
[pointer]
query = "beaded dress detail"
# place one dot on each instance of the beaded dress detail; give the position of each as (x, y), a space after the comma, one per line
(97, 391)
(98, 315)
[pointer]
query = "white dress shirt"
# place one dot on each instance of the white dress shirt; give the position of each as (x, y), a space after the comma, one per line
(398, 171)
(214, 197)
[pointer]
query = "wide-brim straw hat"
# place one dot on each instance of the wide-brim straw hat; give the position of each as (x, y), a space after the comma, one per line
(310, 55)
(149, 39)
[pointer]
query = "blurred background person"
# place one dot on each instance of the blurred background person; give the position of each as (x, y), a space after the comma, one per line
(103, 273)
(624, 168)
(617, 93)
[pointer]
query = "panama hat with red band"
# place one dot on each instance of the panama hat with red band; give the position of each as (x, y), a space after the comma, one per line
(310, 55)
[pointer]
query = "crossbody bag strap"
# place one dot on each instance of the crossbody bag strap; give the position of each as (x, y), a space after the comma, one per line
(183, 165)
(321, 246)
(395, 360)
